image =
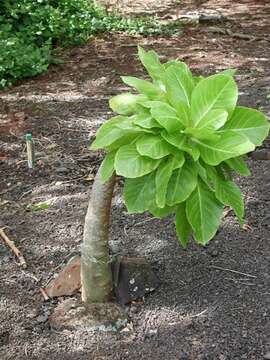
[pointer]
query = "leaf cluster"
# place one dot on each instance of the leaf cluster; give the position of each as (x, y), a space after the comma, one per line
(31, 29)
(177, 141)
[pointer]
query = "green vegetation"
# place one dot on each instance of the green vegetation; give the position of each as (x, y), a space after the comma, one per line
(31, 29)
(177, 142)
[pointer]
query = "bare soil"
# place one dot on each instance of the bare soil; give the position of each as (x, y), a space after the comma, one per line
(203, 309)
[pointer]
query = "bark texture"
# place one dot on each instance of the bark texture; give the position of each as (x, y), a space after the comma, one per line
(96, 274)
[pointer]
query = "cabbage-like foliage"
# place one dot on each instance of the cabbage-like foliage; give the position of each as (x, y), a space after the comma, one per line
(177, 139)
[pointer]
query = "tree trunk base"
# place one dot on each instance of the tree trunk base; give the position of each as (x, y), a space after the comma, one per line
(74, 315)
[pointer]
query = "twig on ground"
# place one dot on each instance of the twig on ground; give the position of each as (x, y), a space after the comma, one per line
(200, 314)
(44, 294)
(14, 249)
(233, 271)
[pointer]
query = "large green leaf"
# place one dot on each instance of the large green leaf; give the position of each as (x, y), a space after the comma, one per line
(127, 103)
(238, 165)
(230, 145)
(129, 163)
(107, 166)
(139, 193)
(166, 116)
(228, 193)
(163, 174)
(179, 85)
(150, 61)
(249, 122)
(204, 213)
(182, 182)
(216, 92)
(153, 146)
(144, 87)
(202, 134)
(183, 228)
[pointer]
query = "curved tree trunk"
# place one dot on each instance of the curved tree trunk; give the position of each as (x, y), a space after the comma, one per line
(96, 274)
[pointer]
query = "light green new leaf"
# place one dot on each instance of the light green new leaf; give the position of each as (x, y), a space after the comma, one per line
(230, 145)
(150, 61)
(182, 182)
(183, 228)
(179, 85)
(129, 163)
(107, 166)
(204, 213)
(228, 193)
(144, 87)
(249, 122)
(181, 142)
(238, 165)
(166, 116)
(163, 174)
(126, 104)
(139, 193)
(153, 146)
(216, 92)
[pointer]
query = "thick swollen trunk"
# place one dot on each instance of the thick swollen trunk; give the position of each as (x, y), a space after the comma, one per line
(96, 275)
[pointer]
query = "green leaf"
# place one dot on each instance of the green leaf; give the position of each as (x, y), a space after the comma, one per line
(163, 174)
(107, 166)
(144, 87)
(183, 228)
(139, 193)
(126, 104)
(150, 61)
(202, 133)
(214, 119)
(146, 121)
(228, 193)
(179, 85)
(204, 213)
(129, 163)
(166, 116)
(217, 92)
(179, 159)
(238, 165)
(182, 182)
(111, 131)
(228, 146)
(153, 146)
(249, 122)
(129, 138)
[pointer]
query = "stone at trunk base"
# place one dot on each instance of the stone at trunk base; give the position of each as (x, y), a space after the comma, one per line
(73, 314)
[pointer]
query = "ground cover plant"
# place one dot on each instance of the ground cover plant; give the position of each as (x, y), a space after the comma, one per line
(30, 30)
(177, 143)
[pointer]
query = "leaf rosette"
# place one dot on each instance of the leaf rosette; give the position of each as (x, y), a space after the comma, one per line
(177, 139)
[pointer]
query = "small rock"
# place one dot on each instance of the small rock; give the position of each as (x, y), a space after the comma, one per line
(267, 356)
(41, 319)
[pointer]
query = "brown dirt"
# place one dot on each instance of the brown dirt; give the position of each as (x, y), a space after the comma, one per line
(199, 312)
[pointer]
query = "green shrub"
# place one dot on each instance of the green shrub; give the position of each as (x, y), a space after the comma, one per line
(177, 143)
(30, 29)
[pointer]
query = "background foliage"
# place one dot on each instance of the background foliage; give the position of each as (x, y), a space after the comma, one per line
(31, 29)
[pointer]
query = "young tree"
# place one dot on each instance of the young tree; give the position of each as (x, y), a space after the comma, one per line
(177, 143)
